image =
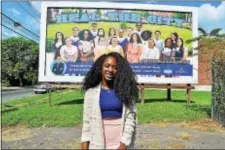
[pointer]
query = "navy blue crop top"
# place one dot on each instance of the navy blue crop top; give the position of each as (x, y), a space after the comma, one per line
(111, 106)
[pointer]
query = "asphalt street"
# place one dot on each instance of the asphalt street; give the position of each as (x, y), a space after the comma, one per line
(17, 94)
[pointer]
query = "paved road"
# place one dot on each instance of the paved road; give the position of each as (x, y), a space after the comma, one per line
(15, 94)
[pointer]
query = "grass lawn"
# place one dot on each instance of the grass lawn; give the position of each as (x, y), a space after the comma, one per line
(68, 107)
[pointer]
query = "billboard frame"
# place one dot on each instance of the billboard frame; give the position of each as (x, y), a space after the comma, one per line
(111, 5)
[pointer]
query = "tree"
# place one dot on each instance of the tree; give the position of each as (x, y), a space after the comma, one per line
(98, 12)
(179, 15)
(214, 34)
(67, 11)
(20, 61)
(123, 25)
(80, 13)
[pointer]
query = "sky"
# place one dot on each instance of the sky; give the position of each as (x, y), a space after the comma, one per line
(211, 13)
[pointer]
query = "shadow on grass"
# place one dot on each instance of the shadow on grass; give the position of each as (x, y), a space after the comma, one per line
(72, 102)
(9, 109)
(198, 107)
(163, 100)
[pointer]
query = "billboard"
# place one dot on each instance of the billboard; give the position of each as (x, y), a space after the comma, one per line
(151, 37)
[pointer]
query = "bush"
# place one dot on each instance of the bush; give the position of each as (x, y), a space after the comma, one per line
(123, 25)
(218, 90)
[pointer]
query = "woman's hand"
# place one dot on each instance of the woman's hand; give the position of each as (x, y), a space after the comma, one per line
(84, 145)
(122, 147)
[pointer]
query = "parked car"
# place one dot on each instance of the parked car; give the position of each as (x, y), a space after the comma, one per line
(41, 88)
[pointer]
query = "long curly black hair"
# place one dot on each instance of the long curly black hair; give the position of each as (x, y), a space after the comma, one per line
(124, 83)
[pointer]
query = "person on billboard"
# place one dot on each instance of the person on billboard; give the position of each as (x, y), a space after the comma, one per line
(69, 52)
(146, 35)
(158, 41)
(122, 41)
(101, 43)
(110, 113)
(86, 46)
(58, 67)
(150, 51)
(174, 37)
(167, 52)
(134, 48)
(100, 33)
(139, 28)
(75, 37)
(130, 31)
(58, 43)
(181, 52)
(94, 30)
(114, 47)
(111, 34)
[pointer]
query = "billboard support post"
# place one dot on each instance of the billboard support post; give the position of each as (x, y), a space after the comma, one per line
(169, 93)
(49, 97)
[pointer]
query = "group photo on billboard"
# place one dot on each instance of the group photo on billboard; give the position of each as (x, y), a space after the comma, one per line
(152, 40)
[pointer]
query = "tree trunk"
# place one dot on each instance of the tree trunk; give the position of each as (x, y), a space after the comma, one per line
(21, 81)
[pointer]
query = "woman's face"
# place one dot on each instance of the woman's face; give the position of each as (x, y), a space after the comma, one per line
(169, 43)
(151, 43)
(109, 68)
(173, 36)
(179, 43)
(114, 41)
(135, 37)
(59, 36)
(68, 41)
(100, 32)
(112, 32)
(85, 35)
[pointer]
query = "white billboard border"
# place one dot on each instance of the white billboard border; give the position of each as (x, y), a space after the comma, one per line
(147, 80)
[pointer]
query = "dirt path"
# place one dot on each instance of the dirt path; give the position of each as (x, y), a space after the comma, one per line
(201, 135)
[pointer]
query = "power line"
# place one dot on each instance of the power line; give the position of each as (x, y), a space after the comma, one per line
(33, 8)
(17, 32)
(13, 21)
(28, 11)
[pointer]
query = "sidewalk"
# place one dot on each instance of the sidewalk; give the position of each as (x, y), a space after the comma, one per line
(195, 135)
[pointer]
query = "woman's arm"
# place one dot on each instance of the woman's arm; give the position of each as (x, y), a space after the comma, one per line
(76, 55)
(85, 135)
(139, 52)
(91, 52)
(185, 55)
(121, 52)
(143, 54)
(130, 125)
(157, 54)
(62, 53)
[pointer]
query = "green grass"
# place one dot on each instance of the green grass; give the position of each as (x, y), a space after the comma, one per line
(166, 31)
(68, 107)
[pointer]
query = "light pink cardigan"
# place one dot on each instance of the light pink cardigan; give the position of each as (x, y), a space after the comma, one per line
(92, 129)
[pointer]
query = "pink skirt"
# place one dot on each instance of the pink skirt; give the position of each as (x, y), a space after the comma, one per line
(112, 135)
